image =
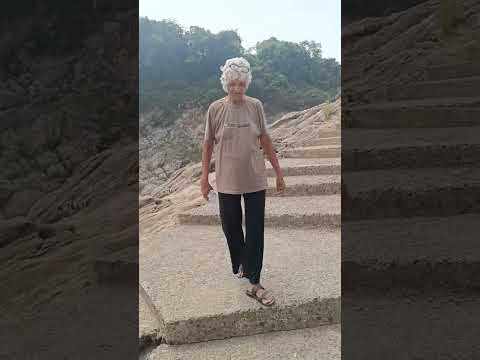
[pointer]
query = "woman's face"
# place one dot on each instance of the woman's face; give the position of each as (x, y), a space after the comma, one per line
(237, 88)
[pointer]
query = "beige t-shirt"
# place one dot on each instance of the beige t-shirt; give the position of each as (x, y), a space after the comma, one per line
(234, 129)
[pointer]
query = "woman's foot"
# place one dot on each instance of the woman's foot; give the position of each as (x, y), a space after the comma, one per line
(240, 274)
(263, 296)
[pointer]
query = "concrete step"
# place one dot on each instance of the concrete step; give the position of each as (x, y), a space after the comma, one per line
(120, 267)
(309, 166)
(323, 151)
(149, 326)
(460, 87)
(319, 343)
(410, 192)
(288, 211)
(323, 133)
(187, 274)
(306, 185)
(389, 148)
(426, 325)
(443, 112)
(418, 251)
(453, 71)
(336, 140)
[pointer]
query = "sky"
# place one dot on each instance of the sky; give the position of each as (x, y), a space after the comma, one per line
(257, 20)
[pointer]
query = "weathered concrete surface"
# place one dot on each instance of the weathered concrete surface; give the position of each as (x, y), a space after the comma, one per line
(430, 113)
(305, 185)
(411, 192)
(407, 240)
(426, 326)
(418, 252)
(436, 147)
(149, 329)
(333, 140)
(465, 86)
(287, 211)
(443, 72)
(393, 138)
(322, 151)
(320, 343)
(312, 166)
(187, 274)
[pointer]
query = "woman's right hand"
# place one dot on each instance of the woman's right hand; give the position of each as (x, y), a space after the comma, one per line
(205, 187)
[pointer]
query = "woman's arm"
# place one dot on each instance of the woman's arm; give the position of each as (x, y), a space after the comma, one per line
(267, 145)
(205, 186)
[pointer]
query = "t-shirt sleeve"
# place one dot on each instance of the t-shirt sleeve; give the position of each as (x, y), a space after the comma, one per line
(209, 132)
(262, 122)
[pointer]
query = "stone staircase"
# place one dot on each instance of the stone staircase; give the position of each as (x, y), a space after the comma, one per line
(410, 199)
(191, 296)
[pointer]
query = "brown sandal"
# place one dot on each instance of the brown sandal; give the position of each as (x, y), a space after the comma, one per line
(263, 295)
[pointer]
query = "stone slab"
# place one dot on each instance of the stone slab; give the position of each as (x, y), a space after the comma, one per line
(322, 151)
(426, 326)
(319, 343)
(412, 117)
(280, 211)
(377, 149)
(404, 241)
(149, 329)
(334, 140)
(187, 274)
(417, 252)
(466, 86)
(410, 192)
(306, 185)
(453, 71)
(309, 166)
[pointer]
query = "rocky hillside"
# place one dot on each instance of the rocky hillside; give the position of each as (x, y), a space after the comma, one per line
(160, 204)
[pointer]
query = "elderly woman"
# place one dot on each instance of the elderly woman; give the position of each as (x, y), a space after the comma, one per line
(236, 125)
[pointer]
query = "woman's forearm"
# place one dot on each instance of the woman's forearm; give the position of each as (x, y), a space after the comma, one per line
(207, 150)
(271, 155)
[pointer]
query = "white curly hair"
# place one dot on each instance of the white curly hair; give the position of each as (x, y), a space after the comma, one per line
(235, 69)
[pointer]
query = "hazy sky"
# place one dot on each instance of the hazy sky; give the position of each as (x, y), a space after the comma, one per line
(254, 20)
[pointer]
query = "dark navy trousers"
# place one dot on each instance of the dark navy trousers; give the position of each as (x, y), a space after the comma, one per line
(245, 250)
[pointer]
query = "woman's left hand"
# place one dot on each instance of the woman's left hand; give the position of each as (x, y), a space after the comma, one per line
(280, 184)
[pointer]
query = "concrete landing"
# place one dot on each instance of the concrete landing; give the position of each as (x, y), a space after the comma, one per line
(186, 272)
(320, 343)
(280, 211)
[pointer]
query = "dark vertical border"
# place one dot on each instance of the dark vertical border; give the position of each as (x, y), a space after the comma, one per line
(69, 180)
(410, 179)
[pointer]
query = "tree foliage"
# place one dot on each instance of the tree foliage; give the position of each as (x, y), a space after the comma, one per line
(181, 68)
